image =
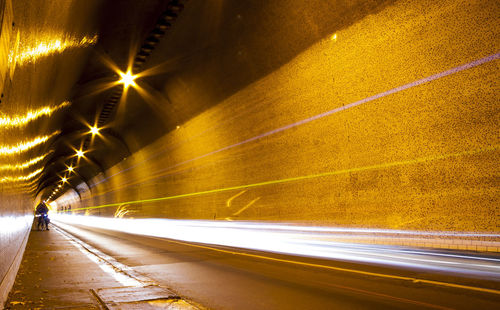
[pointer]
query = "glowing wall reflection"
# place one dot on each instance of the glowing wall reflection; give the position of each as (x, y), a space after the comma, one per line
(19, 178)
(7, 121)
(25, 145)
(23, 165)
(49, 45)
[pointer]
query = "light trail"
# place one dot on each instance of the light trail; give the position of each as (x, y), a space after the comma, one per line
(298, 241)
(230, 200)
(350, 105)
(299, 178)
(21, 120)
(428, 79)
(25, 145)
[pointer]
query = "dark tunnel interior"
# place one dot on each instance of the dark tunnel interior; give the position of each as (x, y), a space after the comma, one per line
(378, 115)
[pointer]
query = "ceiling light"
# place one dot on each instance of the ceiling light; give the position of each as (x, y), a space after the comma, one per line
(94, 130)
(127, 79)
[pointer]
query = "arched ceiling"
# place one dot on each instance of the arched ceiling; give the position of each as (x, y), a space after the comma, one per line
(189, 56)
(128, 33)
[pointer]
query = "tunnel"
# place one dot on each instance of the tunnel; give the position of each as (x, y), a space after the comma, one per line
(252, 154)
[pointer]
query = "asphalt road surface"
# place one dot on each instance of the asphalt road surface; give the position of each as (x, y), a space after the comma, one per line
(230, 278)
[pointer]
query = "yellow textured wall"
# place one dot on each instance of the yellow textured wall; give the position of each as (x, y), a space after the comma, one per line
(424, 157)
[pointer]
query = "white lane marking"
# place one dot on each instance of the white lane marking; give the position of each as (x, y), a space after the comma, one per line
(118, 275)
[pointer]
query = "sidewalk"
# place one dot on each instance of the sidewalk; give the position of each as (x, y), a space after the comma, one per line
(59, 273)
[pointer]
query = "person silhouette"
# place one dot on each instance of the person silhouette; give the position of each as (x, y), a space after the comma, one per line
(43, 219)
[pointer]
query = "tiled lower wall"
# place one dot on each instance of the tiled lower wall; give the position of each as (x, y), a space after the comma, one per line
(479, 243)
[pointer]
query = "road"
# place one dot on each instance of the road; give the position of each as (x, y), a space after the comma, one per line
(219, 277)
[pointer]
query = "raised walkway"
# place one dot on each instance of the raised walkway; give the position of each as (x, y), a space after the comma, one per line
(58, 271)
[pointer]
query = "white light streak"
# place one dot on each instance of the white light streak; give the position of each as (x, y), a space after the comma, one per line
(321, 242)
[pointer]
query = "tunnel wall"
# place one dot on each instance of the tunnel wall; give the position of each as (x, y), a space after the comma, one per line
(15, 218)
(15, 224)
(42, 77)
(378, 124)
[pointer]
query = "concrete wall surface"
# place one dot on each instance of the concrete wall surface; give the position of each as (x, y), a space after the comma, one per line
(388, 120)
(34, 75)
(15, 225)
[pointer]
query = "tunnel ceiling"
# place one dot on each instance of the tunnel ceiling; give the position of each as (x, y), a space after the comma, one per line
(126, 35)
(60, 73)
(189, 56)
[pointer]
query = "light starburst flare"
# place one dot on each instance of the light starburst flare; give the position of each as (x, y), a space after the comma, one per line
(127, 79)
